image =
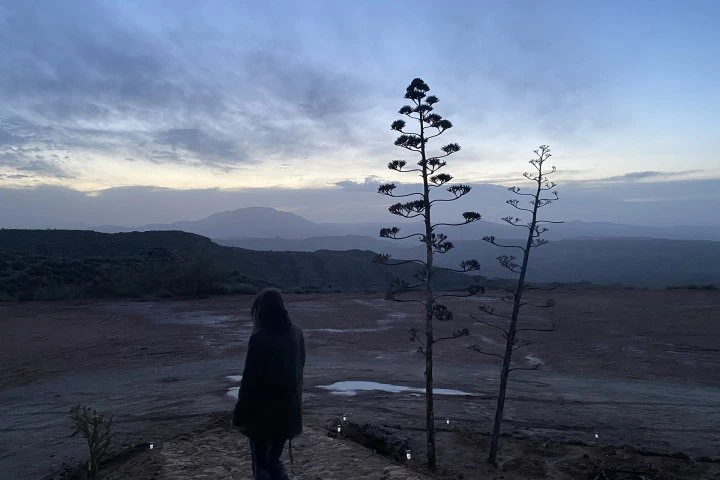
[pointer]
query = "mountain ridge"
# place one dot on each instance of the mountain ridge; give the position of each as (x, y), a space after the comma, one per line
(267, 222)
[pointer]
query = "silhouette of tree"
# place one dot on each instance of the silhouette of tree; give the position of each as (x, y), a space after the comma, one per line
(428, 125)
(535, 228)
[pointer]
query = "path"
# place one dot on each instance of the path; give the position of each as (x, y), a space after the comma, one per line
(221, 453)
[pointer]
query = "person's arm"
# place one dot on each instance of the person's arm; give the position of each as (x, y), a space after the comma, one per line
(249, 384)
(301, 345)
(253, 365)
(302, 348)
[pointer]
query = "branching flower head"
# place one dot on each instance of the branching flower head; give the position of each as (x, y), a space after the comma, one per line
(417, 90)
(398, 125)
(451, 148)
(386, 188)
(389, 232)
(471, 217)
(441, 179)
(397, 165)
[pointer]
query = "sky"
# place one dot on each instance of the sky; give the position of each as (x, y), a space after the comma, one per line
(135, 112)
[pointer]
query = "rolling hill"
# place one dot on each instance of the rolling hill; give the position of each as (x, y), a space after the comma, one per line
(639, 262)
(49, 264)
(633, 261)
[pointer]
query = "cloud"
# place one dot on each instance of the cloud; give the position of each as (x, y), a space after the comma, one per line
(194, 94)
(647, 200)
(201, 145)
(370, 184)
(79, 77)
(7, 138)
(28, 163)
(649, 175)
(16, 176)
(44, 168)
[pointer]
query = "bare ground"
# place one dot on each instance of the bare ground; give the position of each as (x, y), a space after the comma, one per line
(637, 367)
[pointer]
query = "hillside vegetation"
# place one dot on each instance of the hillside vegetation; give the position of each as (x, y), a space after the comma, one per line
(632, 261)
(60, 264)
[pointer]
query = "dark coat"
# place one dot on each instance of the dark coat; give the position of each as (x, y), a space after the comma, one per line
(269, 405)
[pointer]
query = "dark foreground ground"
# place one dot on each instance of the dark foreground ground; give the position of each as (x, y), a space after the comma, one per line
(639, 368)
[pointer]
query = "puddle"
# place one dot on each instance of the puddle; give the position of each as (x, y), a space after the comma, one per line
(378, 302)
(165, 314)
(476, 298)
(310, 305)
(386, 323)
(393, 317)
(192, 318)
(232, 392)
(533, 360)
(346, 330)
(351, 388)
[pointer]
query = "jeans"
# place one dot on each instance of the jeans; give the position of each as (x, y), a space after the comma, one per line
(266, 463)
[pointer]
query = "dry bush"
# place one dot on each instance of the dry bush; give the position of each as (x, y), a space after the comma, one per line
(96, 430)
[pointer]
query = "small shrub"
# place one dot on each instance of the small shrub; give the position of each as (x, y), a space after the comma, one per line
(97, 432)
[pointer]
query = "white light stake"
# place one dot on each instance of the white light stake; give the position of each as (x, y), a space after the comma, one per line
(339, 428)
(447, 420)
(344, 418)
(408, 454)
(151, 445)
(597, 436)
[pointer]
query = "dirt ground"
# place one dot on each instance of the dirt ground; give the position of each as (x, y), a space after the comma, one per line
(637, 368)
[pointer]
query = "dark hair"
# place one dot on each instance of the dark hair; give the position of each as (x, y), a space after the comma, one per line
(268, 311)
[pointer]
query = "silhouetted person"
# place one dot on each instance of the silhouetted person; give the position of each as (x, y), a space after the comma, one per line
(269, 406)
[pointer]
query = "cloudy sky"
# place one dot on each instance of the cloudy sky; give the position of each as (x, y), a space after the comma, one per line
(132, 112)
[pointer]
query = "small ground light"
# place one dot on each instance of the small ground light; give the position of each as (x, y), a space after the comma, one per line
(597, 436)
(151, 445)
(344, 418)
(447, 420)
(408, 454)
(339, 428)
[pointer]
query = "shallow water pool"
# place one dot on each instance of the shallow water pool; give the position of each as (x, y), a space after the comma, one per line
(353, 387)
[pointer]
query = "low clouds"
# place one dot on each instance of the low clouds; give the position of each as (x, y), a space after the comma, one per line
(650, 176)
(45, 168)
(29, 161)
(682, 202)
(370, 184)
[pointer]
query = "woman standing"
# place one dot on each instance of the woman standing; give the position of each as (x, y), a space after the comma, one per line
(269, 406)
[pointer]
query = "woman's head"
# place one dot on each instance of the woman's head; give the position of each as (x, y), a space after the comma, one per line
(268, 311)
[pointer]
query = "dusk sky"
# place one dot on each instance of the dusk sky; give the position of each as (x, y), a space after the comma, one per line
(133, 112)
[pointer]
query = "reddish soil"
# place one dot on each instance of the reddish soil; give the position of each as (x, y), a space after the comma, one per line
(637, 367)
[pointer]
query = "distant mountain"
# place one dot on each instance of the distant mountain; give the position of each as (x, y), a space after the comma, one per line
(578, 229)
(263, 222)
(256, 222)
(251, 221)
